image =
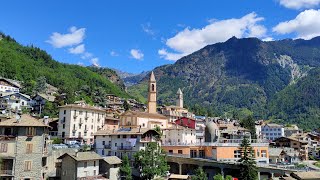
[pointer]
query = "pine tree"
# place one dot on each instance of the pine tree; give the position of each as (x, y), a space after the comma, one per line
(125, 169)
(151, 162)
(199, 174)
(248, 169)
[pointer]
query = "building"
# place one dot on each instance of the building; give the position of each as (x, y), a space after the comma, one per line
(175, 112)
(23, 148)
(283, 156)
(111, 123)
(272, 131)
(152, 95)
(79, 122)
(123, 141)
(39, 101)
(79, 165)
(300, 145)
(222, 150)
(177, 134)
(9, 85)
(110, 166)
(291, 130)
(14, 101)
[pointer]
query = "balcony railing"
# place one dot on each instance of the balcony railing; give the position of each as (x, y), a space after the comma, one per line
(124, 147)
(6, 172)
(74, 129)
(107, 146)
(225, 142)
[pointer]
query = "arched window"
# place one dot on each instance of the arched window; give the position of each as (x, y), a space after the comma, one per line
(152, 87)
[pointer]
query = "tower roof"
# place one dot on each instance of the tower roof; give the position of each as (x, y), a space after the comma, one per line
(179, 91)
(152, 78)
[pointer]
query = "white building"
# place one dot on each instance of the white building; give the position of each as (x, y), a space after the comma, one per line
(123, 141)
(14, 101)
(9, 85)
(80, 122)
(272, 131)
(179, 135)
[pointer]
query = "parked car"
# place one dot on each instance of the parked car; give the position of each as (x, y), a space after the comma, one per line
(59, 146)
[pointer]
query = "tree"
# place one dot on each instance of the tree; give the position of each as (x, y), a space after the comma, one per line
(125, 169)
(41, 84)
(126, 105)
(151, 162)
(248, 169)
(199, 174)
(57, 141)
(158, 137)
(218, 177)
(228, 177)
(249, 124)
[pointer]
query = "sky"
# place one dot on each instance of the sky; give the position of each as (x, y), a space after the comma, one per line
(135, 36)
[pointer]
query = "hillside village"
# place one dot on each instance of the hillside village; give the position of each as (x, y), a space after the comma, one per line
(90, 141)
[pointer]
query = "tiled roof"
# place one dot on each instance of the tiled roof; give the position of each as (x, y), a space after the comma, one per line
(24, 121)
(275, 151)
(82, 156)
(124, 131)
(47, 97)
(112, 160)
(83, 107)
(144, 114)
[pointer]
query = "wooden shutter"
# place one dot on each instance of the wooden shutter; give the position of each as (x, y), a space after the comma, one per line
(27, 165)
(29, 148)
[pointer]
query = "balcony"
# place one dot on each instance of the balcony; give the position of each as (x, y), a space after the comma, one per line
(75, 116)
(225, 142)
(86, 117)
(148, 139)
(107, 146)
(85, 130)
(6, 172)
(124, 147)
(74, 129)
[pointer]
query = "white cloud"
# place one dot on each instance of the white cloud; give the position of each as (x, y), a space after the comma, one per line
(268, 39)
(299, 4)
(306, 25)
(136, 54)
(74, 37)
(147, 29)
(95, 62)
(86, 55)
(190, 40)
(114, 53)
(77, 50)
(80, 64)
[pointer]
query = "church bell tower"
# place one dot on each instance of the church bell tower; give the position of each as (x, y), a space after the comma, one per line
(179, 100)
(152, 94)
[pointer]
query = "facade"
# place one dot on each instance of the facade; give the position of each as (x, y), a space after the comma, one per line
(272, 131)
(222, 150)
(298, 145)
(135, 119)
(110, 166)
(9, 85)
(78, 165)
(178, 135)
(111, 123)
(123, 141)
(14, 101)
(79, 122)
(283, 156)
(291, 130)
(23, 148)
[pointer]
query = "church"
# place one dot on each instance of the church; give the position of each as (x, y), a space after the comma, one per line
(149, 119)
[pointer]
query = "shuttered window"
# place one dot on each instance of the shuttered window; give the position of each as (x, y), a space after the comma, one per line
(3, 147)
(29, 148)
(27, 165)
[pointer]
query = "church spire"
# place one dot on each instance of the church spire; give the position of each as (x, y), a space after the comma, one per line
(179, 100)
(152, 94)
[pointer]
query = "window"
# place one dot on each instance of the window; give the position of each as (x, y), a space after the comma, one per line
(115, 144)
(65, 111)
(27, 166)
(143, 125)
(263, 153)
(3, 147)
(102, 152)
(118, 136)
(63, 126)
(29, 148)
(201, 154)
(31, 131)
(103, 142)
(171, 151)
(85, 165)
(63, 134)
(94, 163)
(237, 154)
(152, 87)
(124, 136)
(94, 172)
(79, 134)
(179, 151)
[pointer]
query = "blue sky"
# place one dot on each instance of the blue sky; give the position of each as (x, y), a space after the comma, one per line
(139, 35)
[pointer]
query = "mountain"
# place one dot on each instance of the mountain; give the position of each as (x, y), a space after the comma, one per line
(241, 76)
(131, 79)
(29, 63)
